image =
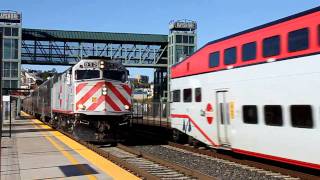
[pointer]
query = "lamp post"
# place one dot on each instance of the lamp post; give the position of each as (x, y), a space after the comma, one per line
(1, 107)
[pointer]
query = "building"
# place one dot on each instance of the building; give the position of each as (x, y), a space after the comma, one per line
(29, 80)
(142, 79)
(10, 26)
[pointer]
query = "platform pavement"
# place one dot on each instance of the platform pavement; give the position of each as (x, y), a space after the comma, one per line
(35, 151)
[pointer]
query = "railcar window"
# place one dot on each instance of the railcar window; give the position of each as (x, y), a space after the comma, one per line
(214, 59)
(273, 115)
(271, 46)
(230, 56)
(198, 94)
(115, 75)
(249, 51)
(298, 40)
(250, 114)
(187, 95)
(301, 116)
(87, 74)
(176, 96)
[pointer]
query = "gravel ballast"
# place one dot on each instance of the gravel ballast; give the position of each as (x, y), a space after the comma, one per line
(213, 167)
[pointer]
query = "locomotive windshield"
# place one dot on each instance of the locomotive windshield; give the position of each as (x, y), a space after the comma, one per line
(115, 75)
(87, 74)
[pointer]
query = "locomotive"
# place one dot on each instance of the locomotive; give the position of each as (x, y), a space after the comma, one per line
(92, 99)
(254, 92)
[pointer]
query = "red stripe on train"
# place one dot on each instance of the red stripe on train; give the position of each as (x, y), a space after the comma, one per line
(240, 151)
(80, 87)
(113, 105)
(195, 125)
(275, 158)
(95, 105)
(117, 93)
(90, 93)
(127, 88)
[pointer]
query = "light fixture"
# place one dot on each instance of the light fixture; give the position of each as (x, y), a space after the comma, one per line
(126, 107)
(104, 91)
(81, 106)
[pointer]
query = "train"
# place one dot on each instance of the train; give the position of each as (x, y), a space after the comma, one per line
(254, 92)
(91, 99)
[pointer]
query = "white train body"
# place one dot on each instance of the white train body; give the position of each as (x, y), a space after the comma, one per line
(92, 99)
(95, 95)
(268, 107)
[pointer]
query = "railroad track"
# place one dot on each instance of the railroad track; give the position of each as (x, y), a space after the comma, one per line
(154, 166)
(142, 164)
(252, 165)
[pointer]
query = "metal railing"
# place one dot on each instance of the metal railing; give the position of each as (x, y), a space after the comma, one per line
(150, 113)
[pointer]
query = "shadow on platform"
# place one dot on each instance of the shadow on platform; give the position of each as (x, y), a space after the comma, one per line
(77, 170)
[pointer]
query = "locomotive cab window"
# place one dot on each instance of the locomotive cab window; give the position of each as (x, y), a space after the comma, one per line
(230, 56)
(271, 46)
(187, 95)
(250, 114)
(197, 94)
(249, 51)
(115, 75)
(87, 74)
(176, 96)
(298, 40)
(214, 59)
(301, 116)
(273, 115)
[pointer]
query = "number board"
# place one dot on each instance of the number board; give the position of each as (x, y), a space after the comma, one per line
(90, 64)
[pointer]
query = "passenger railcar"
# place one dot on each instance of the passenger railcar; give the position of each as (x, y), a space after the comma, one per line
(94, 94)
(255, 92)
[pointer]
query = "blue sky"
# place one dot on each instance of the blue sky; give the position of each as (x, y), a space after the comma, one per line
(215, 18)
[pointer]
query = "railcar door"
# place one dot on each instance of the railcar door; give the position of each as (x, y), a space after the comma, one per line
(223, 120)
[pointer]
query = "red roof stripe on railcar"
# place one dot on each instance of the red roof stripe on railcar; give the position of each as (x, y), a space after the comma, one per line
(275, 158)
(112, 103)
(90, 93)
(127, 88)
(195, 125)
(117, 93)
(80, 87)
(200, 59)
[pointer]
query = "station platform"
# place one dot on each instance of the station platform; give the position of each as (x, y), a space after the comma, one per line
(36, 151)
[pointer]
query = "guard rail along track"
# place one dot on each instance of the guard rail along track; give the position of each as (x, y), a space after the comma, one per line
(268, 168)
(142, 164)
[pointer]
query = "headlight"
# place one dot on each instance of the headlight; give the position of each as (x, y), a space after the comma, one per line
(104, 91)
(81, 106)
(126, 107)
(101, 62)
(101, 66)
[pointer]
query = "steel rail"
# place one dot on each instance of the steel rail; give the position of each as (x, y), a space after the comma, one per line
(252, 163)
(133, 168)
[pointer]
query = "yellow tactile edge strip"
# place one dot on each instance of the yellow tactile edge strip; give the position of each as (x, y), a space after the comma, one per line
(65, 153)
(105, 165)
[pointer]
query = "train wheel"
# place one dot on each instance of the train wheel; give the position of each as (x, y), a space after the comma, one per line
(178, 137)
(193, 142)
